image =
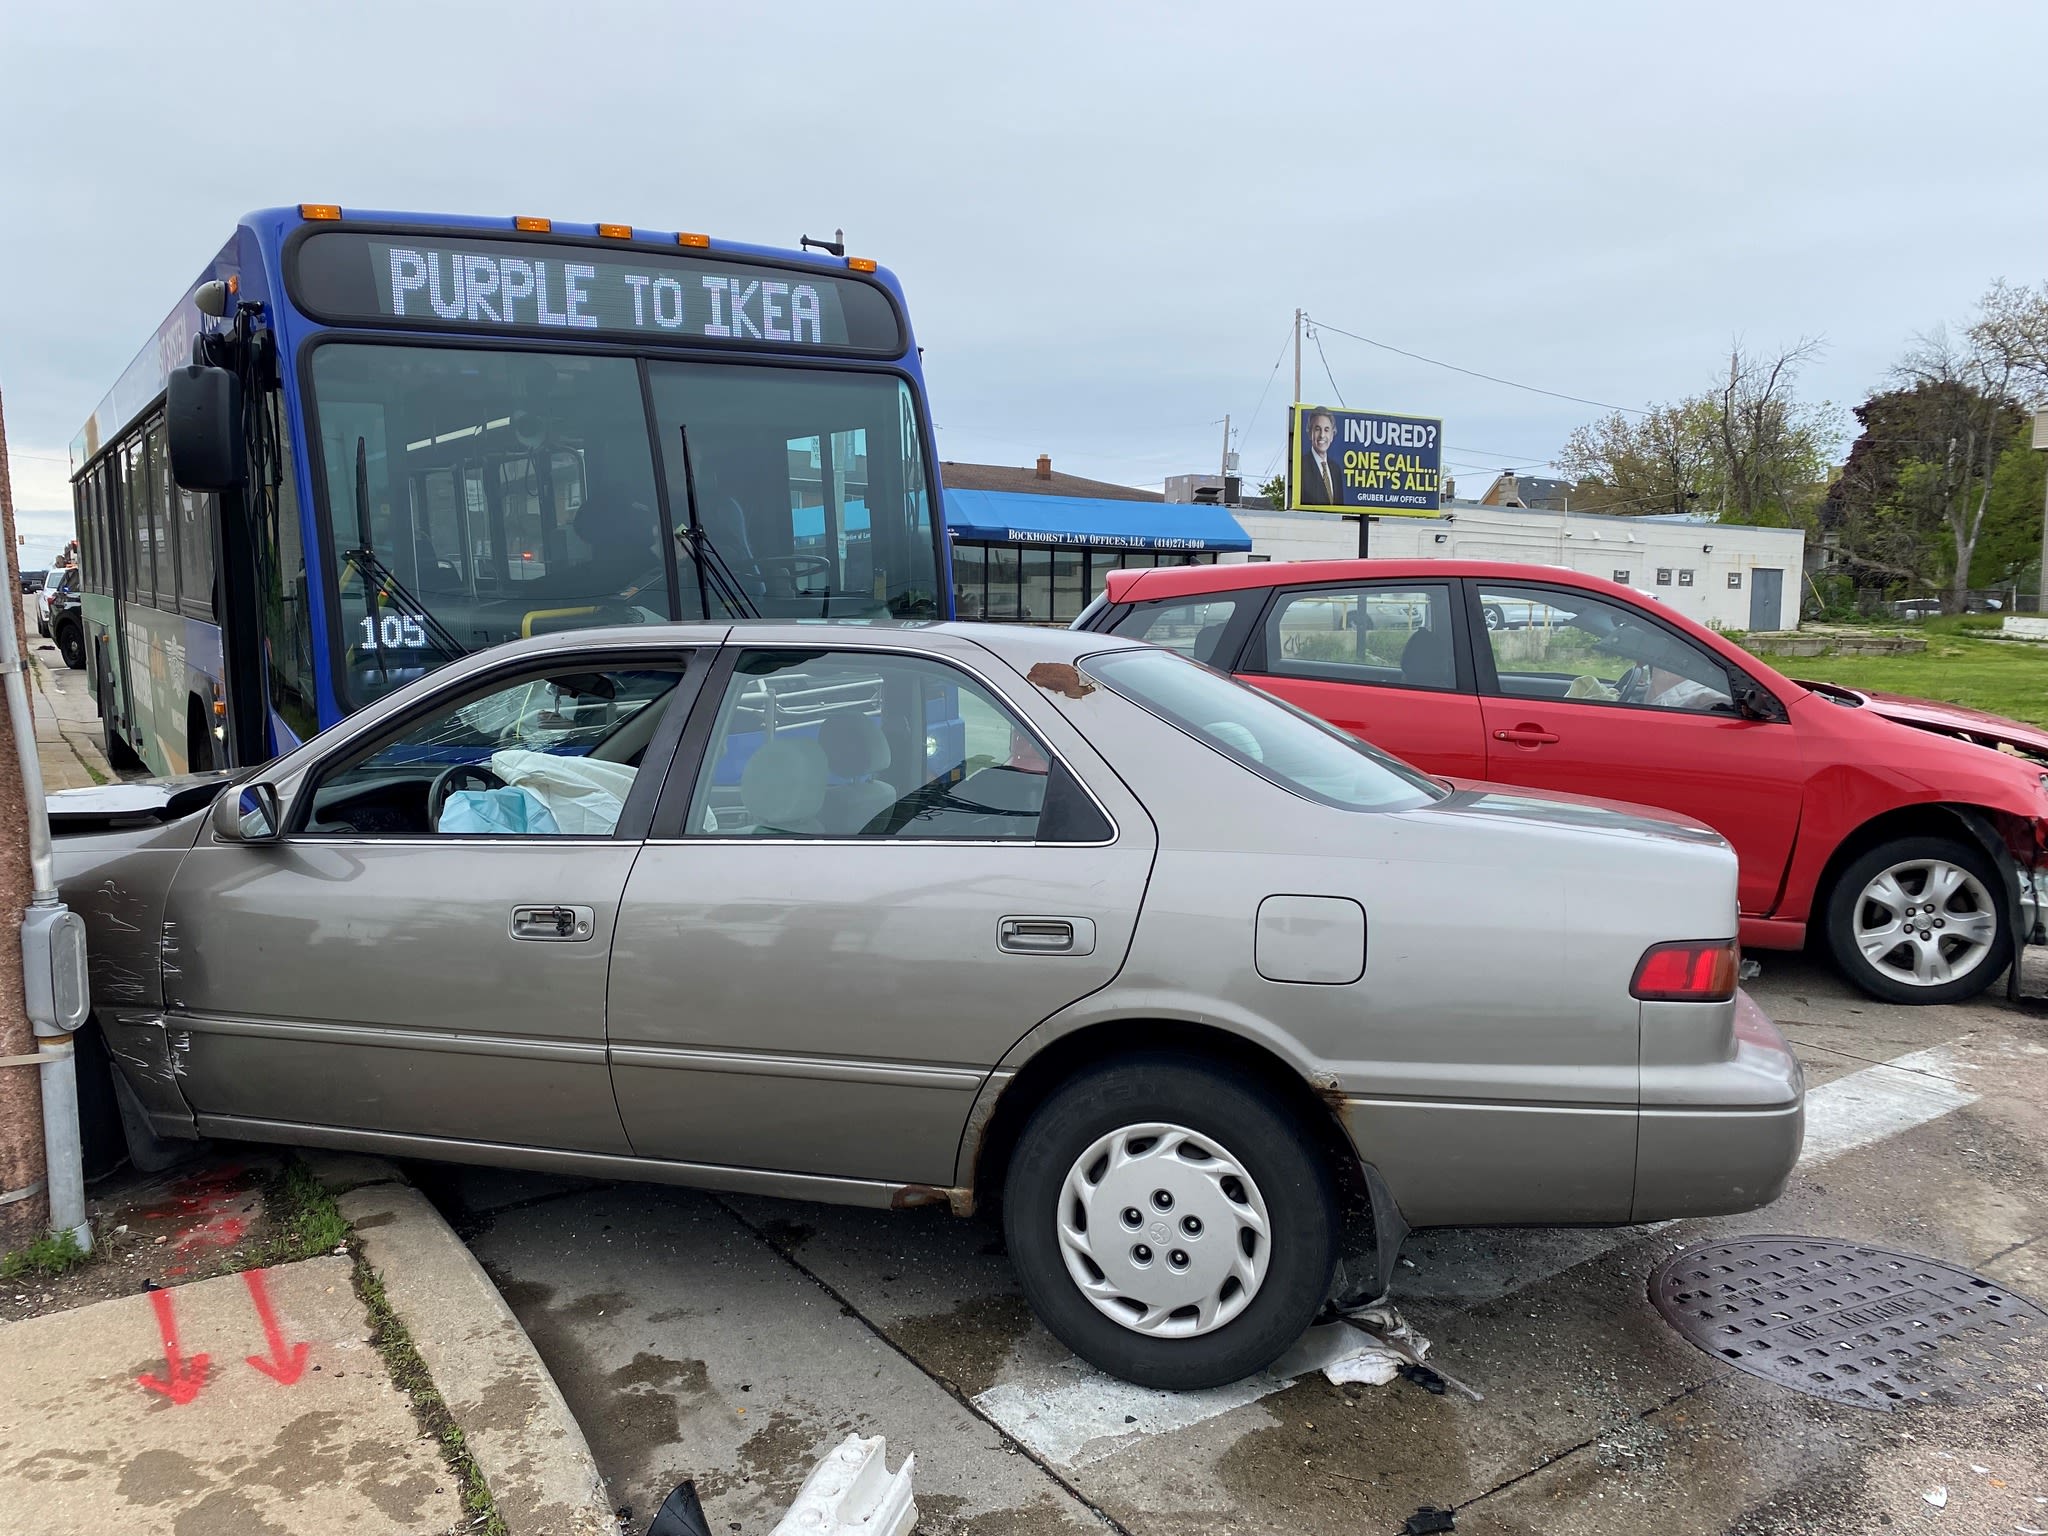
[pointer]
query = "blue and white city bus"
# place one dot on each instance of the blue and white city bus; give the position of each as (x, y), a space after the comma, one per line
(450, 432)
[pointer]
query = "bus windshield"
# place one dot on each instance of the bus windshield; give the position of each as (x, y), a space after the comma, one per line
(471, 496)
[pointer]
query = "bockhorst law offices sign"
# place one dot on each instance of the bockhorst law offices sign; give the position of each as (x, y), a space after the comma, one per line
(1366, 461)
(1102, 540)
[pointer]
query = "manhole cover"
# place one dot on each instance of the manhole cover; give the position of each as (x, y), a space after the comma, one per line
(1852, 1324)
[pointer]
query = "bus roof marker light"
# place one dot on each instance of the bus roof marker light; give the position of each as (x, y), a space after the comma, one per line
(319, 210)
(860, 263)
(616, 231)
(532, 225)
(695, 242)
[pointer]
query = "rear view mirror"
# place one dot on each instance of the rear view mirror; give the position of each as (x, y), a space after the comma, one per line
(585, 685)
(247, 813)
(203, 419)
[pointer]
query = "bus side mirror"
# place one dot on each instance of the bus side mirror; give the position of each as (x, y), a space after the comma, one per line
(247, 813)
(203, 419)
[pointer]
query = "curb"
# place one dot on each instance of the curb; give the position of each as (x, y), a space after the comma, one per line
(514, 1421)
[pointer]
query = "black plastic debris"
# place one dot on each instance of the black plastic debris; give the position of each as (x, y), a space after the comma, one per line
(680, 1514)
(1427, 1519)
(1424, 1378)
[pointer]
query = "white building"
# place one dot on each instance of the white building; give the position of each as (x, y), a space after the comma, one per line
(1726, 575)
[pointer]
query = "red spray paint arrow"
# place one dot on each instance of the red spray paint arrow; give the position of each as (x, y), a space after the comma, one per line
(182, 1378)
(284, 1366)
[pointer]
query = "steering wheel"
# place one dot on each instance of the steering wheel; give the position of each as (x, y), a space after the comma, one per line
(797, 567)
(1634, 686)
(449, 780)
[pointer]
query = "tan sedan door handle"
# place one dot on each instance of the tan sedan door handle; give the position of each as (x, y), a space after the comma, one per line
(553, 925)
(1046, 936)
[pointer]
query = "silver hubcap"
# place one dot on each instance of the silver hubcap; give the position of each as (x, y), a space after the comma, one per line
(1926, 922)
(1164, 1231)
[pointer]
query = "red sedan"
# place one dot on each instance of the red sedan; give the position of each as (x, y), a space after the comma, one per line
(1909, 836)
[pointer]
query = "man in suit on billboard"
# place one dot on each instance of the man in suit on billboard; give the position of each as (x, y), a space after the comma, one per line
(1319, 482)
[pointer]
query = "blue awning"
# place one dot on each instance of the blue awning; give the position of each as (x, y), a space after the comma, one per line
(1083, 522)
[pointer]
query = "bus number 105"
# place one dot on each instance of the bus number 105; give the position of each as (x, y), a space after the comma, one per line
(400, 632)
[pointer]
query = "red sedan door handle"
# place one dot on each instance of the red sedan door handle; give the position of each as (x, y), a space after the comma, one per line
(1526, 736)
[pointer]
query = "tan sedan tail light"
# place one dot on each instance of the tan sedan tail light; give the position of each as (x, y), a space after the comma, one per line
(1689, 972)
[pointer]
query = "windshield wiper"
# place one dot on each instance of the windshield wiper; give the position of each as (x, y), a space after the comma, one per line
(710, 564)
(374, 573)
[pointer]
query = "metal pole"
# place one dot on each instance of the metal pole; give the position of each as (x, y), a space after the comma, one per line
(1293, 448)
(2041, 586)
(1223, 464)
(63, 1154)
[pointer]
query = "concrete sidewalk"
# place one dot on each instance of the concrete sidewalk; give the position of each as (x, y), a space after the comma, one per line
(383, 1386)
(253, 1402)
(67, 721)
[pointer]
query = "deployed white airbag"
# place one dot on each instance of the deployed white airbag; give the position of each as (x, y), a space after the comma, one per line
(586, 796)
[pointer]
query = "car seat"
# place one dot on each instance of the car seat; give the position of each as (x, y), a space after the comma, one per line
(782, 788)
(855, 752)
(1426, 660)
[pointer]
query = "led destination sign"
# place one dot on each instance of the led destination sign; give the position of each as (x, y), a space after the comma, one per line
(483, 285)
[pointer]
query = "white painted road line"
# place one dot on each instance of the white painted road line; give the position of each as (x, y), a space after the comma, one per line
(1877, 1102)
(1081, 1416)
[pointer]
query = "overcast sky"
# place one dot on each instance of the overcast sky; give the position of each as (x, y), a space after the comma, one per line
(1103, 215)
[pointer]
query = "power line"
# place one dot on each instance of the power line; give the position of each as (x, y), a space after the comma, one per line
(1491, 378)
(1254, 421)
(1316, 336)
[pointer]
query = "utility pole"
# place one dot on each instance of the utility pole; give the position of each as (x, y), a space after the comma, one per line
(2041, 586)
(1293, 454)
(24, 1196)
(1223, 464)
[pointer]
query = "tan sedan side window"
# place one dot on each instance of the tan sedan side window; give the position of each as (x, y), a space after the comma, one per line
(547, 756)
(852, 744)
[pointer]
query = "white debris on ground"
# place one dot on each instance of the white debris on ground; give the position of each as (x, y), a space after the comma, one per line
(852, 1490)
(1389, 1342)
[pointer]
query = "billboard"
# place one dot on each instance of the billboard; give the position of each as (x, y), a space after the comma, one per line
(1366, 461)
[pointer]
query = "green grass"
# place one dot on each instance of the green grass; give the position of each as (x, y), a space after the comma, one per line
(401, 1358)
(308, 1222)
(2005, 677)
(56, 1254)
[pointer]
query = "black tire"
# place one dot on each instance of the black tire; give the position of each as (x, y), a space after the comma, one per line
(1846, 900)
(1264, 1135)
(1496, 618)
(198, 742)
(71, 643)
(120, 755)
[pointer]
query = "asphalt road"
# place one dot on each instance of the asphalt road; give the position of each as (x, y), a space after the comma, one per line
(733, 1340)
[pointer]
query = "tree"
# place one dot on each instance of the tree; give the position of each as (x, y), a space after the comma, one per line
(1660, 462)
(1970, 414)
(1773, 449)
(1747, 450)
(1275, 490)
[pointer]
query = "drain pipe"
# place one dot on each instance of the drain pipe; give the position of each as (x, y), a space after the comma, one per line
(52, 960)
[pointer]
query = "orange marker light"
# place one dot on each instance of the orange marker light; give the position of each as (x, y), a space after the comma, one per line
(532, 225)
(696, 242)
(319, 210)
(616, 231)
(860, 264)
(234, 282)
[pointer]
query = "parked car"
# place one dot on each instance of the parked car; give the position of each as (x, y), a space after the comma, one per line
(1100, 945)
(32, 582)
(63, 578)
(1910, 837)
(67, 624)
